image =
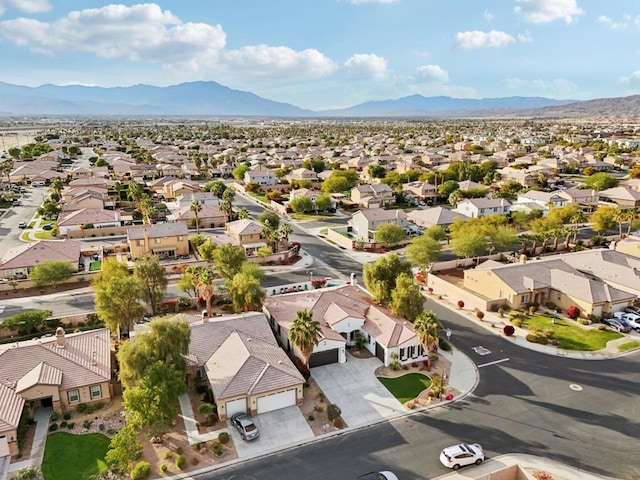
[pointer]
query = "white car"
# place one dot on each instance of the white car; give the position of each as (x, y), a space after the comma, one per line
(462, 455)
(631, 320)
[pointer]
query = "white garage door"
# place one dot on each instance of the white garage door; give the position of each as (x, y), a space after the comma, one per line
(275, 401)
(236, 406)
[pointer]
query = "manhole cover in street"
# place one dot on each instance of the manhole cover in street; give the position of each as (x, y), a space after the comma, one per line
(575, 387)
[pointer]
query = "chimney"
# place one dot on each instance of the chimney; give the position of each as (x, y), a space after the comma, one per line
(61, 341)
(205, 316)
(147, 246)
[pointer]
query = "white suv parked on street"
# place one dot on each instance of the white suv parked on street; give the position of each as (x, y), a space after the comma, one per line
(462, 455)
(631, 320)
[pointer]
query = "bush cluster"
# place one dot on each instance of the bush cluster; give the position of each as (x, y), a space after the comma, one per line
(141, 471)
(333, 412)
(181, 462)
(536, 337)
(223, 438)
(443, 344)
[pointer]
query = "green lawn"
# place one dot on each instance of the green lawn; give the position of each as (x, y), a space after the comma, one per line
(573, 337)
(43, 235)
(311, 216)
(74, 457)
(407, 387)
(628, 346)
(95, 266)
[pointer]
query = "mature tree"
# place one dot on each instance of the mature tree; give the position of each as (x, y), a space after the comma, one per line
(447, 188)
(228, 197)
(635, 171)
(337, 183)
(117, 296)
(153, 279)
(315, 164)
(217, 188)
(426, 325)
(285, 230)
(166, 340)
(376, 171)
(502, 238)
(301, 205)
(207, 249)
(204, 279)
(323, 203)
(271, 218)
(147, 208)
(380, 276)
(26, 323)
(50, 272)
(185, 284)
(455, 198)
(245, 292)
(228, 260)
(49, 209)
(196, 208)
(622, 216)
(469, 244)
(601, 181)
(135, 192)
(422, 251)
(406, 299)
(389, 233)
(437, 232)
(564, 214)
(57, 186)
(603, 219)
(305, 333)
(243, 213)
(124, 449)
(238, 172)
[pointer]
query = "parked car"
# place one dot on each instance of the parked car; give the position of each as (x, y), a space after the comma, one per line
(22, 225)
(48, 226)
(462, 455)
(635, 310)
(631, 320)
(616, 325)
(378, 476)
(16, 204)
(245, 426)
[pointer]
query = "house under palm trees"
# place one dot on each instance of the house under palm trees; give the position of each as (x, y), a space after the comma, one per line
(347, 316)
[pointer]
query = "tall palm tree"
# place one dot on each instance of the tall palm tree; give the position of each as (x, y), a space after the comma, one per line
(203, 279)
(196, 208)
(135, 192)
(146, 208)
(579, 217)
(619, 217)
(227, 199)
(305, 333)
(629, 217)
(426, 325)
(57, 186)
(285, 231)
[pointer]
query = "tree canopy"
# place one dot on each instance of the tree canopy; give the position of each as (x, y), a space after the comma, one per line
(153, 280)
(422, 251)
(305, 333)
(50, 272)
(389, 233)
(406, 299)
(380, 277)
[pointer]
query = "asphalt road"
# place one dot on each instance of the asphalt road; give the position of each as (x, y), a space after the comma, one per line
(524, 404)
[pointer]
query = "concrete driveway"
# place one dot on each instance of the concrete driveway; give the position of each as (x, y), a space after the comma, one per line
(356, 390)
(278, 429)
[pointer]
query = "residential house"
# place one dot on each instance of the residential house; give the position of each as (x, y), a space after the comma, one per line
(302, 174)
(482, 207)
(245, 367)
(71, 220)
(521, 176)
(17, 262)
(260, 175)
(209, 216)
(163, 239)
(365, 222)
(345, 313)
(545, 200)
(436, 216)
(373, 196)
(203, 198)
(86, 197)
(599, 282)
(248, 233)
(61, 372)
(422, 191)
(467, 185)
(586, 198)
(621, 196)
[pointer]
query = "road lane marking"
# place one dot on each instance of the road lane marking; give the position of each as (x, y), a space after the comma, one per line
(493, 363)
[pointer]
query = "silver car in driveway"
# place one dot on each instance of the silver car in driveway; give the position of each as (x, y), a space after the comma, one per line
(245, 426)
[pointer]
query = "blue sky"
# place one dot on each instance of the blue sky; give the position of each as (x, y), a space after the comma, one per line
(323, 54)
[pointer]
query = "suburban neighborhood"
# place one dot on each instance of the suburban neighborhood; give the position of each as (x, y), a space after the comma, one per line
(224, 325)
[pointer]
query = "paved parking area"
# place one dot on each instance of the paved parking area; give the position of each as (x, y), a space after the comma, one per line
(356, 390)
(278, 429)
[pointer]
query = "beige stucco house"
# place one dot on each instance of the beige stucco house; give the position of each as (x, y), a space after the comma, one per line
(163, 239)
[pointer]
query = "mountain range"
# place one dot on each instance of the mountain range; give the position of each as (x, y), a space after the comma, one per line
(213, 99)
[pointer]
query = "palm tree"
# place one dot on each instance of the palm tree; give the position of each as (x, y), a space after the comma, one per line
(135, 192)
(227, 200)
(285, 231)
(629, 215)
(619, 217)
(146, 208)
(6, 168)
(196, 208)
(426, 325)
(305, 333)
(203, 279)
(57, 186)
(243, 213)
(576, 219)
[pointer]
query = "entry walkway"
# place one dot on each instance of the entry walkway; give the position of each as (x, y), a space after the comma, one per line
(41, 416)
(191, 426)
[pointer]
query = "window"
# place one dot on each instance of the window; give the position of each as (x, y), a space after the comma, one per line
(96, 392)
(141, 243)
(180, 238)
(524, 299)
(73, 395)
(158, 240)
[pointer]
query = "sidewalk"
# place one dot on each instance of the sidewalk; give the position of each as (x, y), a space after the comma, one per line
(41, 416)
(508, 461)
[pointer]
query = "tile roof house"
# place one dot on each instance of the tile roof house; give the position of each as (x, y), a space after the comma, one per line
(60, 372)
(17, 262)
(209, 216)
(373, 196)
(424, 191)
(431, 217)
(261, 175)
(483, 207)
(599, 282)
(344, 312)
(70, 220)
(365, 222)
(163, 239)
(586, 198)
(621, 196)
(244, 365)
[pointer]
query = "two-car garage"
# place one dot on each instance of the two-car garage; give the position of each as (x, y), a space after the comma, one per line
(277, 400)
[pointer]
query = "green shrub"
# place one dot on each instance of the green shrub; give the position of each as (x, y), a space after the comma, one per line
(87, 424)
(537, 338)
(179, 450)
(141, 471)
(310, 417)
(53, 427)
(217, 448)
(223, 438)
(70, 425)
(600, 327)
(167, 455)
(584, 321)
(101, 427)
(27, 473)
(197, 446)
(53, 417)
(63, 424)
(81, 408)
(443, 344)
(164, 468)
(181, 462)
(333, 412)
(516, 322)
(66, 416)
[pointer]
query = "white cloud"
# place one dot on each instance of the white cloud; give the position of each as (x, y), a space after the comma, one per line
(366, 66)
(488, 16)
(558, 86)
(140, 33)
(525, 37)
(266, 61)
(478, 39)
(432, 73)
(29, 6)
(546, 11)
(360, 2)
(633, 78)
(609, 22)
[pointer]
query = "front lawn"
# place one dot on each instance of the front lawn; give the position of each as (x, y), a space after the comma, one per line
(74, 457)
(95, 266)
(570, 336)
(311, 216)
(628, 346)
(407, 387)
